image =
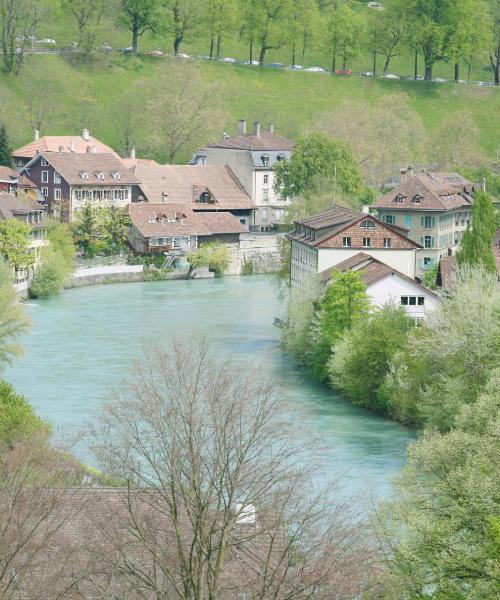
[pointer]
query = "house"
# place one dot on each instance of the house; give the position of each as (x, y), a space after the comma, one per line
(210, 189)
(385, 285)
(79, 144)
(9, 180)
(20, 206)
(436, 208)
(178, 228)
(68, 181)
(331, 237)
(252, 157)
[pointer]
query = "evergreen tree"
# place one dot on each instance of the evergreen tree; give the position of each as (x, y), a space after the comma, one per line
(5, 151)
(477, 244)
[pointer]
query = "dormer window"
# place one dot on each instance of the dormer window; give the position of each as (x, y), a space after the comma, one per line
(400, 198)
(84, 175)
(206, 198)
(367, 224)
(417, 199)
(100, 175)
(116, 176)
(265, 160)
(280, 157)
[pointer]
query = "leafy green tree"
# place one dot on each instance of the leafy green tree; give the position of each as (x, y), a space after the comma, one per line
(249, 19)
(344, 302)
(442, 532)
(220, 18)
(345, 32)
(14, 243)
(494, 42)
(18, 19)
(271, 25)
(87, 15)
(430, 277)
(18, 421)
(183, 20)
(319, 155)
(390, 34)
(86, 230)
(214, 255)
(139, 16)
(362, 357)
(476, 249)
(303, 27)
(13, 319)
(5, 150)
(114, 225)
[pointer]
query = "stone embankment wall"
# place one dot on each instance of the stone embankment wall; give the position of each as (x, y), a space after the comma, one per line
(257, 253)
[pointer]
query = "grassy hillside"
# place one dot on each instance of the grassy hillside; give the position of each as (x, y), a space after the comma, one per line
(69, 96)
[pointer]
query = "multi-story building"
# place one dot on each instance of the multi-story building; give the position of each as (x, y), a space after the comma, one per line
(337, 234)
(252, 157)
(435, 208)
(69, 181)
(74, 144)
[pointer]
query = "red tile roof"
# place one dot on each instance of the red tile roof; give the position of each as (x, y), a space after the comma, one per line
(63, 143)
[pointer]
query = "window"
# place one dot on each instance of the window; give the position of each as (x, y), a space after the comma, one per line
(367, 242)
(44, 163)
(367, 224)
(412, 301)
(404, 300)
(408, 220)
(428, 222)
(421, 300)
(391, 219)
(266, 179)
(387, 242)
(45, 191)
(265, 160)
(428, 242)
(45, 177)
(417, 199)
(428, 262)
(57, 177)
(57, 193)
(346, 242)
(400, 198)
(265, 195)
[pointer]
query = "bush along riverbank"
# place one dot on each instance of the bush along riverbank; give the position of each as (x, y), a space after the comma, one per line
(378, 358)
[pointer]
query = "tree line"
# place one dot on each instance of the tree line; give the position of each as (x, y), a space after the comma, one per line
(432, 31)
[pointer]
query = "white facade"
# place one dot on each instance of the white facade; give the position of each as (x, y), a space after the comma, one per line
(401, 259)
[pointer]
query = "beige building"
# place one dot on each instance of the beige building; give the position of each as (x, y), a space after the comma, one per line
(252, 157)
(435, 208)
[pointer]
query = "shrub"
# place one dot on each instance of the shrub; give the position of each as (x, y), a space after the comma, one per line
(214, 255)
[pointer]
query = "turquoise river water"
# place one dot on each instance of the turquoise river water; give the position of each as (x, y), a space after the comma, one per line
(84, 342)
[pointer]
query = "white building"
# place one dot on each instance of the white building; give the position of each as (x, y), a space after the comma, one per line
(252, 158)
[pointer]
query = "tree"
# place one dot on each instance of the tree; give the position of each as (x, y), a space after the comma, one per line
(344, 33)
(249, 19)
(183, 21)
(476, 249)
(87, 14)
(319, 155)
(214, 468)
(140, 16)
(304, 20)
(18, 421)
(215, 256)
(86, 230)
(494, 45)
(391, 30)
(5, 150)
(13, 319)
(362, 357)
(442, 531)
(18, 19)
(344, 302)
(14, 244)
(270, 26)
(220, 19)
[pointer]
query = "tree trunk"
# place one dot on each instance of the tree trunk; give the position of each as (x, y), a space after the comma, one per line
(374, 62)
(219, 41)
(177, 43)
(293, 53)
(416, 65)
(251, 52)
(262, 55)
(386, 64)
(302, 60)
(495, 65)
(344, 61)
(135, 40)
(428, 72)
(334, 62)
(468, 70)
(211, 46)
(457, 72)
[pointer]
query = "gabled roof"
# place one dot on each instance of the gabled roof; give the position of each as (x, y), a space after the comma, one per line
(250, 141)
(435, 191)
(8, 175)
(63, 143)
(12, 206)
(180, 183)
(132, 163)
(175, 219)
(333, 221)
(101, 169)
(373, 270)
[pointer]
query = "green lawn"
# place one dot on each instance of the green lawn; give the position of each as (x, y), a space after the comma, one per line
(77, 96)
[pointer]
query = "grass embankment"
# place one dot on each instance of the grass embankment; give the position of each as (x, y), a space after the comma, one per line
(73, 96)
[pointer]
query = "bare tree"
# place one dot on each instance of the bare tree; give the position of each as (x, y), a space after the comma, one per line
(18, 19)
(87, 14)
(219, 498)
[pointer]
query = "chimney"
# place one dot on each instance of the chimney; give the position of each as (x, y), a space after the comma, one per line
(410, 171)
(132, 152)
(72, 146)
(271, 128)
(93, 149)
(483, 184)
(257, 129)
(36, 135)
(402, 174)
(86, 135)
(365, 209)
(242, 126)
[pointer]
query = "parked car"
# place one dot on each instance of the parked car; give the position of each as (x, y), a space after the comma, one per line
(343, 72)
(391, 76)
(316, 70)
(253, 63)
(439, 80)
(47, 41)
(128, 50)
(106, 48)
(157, 53)
(295, 67)
(277, 65)
(367, 74)
(228, 59)
(375, 5)
(182, 55)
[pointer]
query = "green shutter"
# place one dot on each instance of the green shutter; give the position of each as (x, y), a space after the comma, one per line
(433, 221)
(433, 245)
(422, 221)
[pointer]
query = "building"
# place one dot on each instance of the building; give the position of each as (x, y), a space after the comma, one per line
(385, 285)
(9, 180)
(21, 207)
(177, 228)
(252, 157)
(337, 234)
(68, 181)
(210, 189)
(74, 144)
(436, 208)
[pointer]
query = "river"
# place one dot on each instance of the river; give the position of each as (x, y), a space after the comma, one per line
(84, 341)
